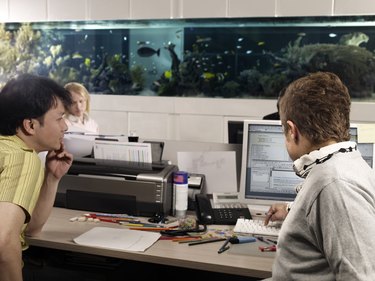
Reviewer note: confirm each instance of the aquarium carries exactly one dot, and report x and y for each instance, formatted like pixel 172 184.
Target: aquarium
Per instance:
pixel 225 58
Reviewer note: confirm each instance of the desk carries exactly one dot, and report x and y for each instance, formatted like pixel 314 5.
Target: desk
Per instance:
pixel 58 233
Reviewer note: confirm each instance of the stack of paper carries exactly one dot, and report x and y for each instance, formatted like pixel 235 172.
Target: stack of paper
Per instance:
pixel 125 151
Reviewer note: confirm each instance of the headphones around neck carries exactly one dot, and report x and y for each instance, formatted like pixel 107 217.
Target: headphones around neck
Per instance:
pixel 304 171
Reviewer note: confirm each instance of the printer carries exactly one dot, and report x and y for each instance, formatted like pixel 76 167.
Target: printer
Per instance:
pixel 114 186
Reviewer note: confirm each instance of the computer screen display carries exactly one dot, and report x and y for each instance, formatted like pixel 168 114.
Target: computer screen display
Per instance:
pixel 267 173
pixel 368 151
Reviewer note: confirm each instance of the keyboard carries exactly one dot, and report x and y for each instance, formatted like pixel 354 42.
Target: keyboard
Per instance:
pixel 256 227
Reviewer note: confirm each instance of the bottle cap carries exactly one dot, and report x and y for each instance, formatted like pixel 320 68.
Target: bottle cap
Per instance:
pixel 180 177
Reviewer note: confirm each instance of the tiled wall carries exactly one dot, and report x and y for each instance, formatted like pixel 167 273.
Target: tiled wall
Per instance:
pixel 189 119
pixel 55 10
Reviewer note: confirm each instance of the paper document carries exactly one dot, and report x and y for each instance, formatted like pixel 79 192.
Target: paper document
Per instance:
pixel 118 239
pixel 81 144
pixel 125 151
pixel 366 133
pixel 219 167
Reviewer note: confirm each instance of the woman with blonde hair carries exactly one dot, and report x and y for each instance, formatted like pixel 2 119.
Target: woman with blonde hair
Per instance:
pixel 77 117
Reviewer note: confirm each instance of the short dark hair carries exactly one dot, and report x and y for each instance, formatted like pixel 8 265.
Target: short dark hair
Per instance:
pixel 319 104
pixel 28 96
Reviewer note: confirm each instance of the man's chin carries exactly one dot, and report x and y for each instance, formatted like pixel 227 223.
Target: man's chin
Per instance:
pixel 56 147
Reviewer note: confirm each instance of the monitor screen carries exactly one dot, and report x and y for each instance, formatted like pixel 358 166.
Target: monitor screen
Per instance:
pixel 267 174
pixel 367 150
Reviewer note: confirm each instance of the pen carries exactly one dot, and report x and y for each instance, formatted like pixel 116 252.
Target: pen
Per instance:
pixel 224 247
pixel 262 239
pixel 272 241
pixel 107 220
pixel 204 241
pixel 139 224
pixel 187 239
pixel 118 219
pixel 110 215
pixel 242 239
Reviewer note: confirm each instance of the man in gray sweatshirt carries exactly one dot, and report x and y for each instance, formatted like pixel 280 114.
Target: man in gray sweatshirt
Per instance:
pixel 329 234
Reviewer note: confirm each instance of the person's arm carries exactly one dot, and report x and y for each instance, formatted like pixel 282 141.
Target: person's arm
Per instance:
pixel 57 164
pixel 346 230
pixel 12 220
pixel 277 212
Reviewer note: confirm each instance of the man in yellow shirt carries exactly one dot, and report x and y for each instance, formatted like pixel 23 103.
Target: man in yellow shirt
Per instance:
pixel 31 121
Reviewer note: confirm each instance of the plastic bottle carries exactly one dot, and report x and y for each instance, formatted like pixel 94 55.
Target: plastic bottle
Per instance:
pixel 180 187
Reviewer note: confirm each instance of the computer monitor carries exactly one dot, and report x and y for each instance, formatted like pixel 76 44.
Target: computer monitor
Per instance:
pixel 368 152
pixel 267 174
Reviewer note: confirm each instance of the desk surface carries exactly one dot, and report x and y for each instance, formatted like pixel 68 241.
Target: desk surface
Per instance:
pixel 58 233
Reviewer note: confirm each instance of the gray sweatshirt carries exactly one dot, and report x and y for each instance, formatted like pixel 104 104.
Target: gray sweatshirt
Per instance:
pixel 329 234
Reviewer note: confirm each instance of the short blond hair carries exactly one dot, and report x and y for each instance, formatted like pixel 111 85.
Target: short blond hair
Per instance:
pixel 80 89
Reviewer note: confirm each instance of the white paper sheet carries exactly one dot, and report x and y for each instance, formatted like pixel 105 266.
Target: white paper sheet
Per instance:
pixel 125 151
pixel 366 133
pixel 219 167
pixel 118 239
pixel 81 144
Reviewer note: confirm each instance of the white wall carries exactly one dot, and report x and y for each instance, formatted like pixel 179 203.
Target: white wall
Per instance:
pixel 189 119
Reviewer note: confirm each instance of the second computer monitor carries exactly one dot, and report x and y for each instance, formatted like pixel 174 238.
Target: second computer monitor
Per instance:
pixel 267 174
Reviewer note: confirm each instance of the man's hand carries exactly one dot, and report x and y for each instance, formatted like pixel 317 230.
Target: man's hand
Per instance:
pixel 277 212
pixel 58 162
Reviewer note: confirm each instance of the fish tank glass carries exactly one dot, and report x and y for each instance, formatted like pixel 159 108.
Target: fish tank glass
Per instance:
pixel 218 58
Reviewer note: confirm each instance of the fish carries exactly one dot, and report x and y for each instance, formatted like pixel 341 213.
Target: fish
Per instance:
pixel 221 76
pixel 77 56
pixel 147 52
pixel 55 50
pixel 203 39
pixel 168 74
pixel 143 42
pixel 208 75
pixel 261 43
pixel 87 62
pixel 178 32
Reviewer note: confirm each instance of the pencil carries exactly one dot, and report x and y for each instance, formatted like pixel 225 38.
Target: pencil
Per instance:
pixel 148 228
pixel 187 240
pixel 209 240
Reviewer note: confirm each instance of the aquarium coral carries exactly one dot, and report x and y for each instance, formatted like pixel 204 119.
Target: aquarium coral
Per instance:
pixel 355 65
pixel 19 51
pixel 26 50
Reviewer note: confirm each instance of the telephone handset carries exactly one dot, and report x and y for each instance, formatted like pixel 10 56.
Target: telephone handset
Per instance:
pixel 206 214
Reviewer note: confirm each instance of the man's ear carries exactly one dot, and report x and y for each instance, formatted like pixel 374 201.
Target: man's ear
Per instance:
pixel 293 130
pixel 29 126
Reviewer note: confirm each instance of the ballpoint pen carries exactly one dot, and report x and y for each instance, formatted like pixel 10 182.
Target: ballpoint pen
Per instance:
pixel 225 246
pixel 260 238
pixel 272 241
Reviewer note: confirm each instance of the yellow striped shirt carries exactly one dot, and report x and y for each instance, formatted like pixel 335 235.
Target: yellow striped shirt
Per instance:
pixel 21 176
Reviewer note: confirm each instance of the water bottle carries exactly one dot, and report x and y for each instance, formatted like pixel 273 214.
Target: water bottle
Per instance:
pixel 180 187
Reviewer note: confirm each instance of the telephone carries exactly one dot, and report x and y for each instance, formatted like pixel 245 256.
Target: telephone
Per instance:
pixel 197 185
pixel 206 214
